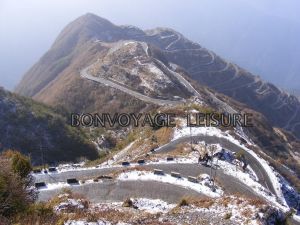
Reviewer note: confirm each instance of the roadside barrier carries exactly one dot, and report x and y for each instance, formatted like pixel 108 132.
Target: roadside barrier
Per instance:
pixel 40 185
pixel 141 161
pixel 175 174
pixel 193 179
pixel 125 163
pixel 37 171
pixel 72 181
pixel 52 169
pixel 158 172
pixel 105 177
pixel 170 158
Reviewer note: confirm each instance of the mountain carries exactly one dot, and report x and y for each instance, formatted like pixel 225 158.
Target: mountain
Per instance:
pixel 124 69
pixel 54 79
pixel 40 131
pixel 260 36
pixel 96 66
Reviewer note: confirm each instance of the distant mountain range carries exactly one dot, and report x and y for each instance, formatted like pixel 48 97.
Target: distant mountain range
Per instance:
pixel 55 78
pixel 260 36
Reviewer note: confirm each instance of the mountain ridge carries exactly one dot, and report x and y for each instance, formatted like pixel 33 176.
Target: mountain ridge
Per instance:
pixel 199 63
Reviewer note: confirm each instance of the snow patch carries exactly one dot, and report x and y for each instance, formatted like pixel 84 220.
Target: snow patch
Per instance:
pixel 153 206
pixel 212 131
pixel 69 204
pixel 183 182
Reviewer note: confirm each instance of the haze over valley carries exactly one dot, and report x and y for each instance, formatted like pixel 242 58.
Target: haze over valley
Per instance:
pixel 131 112
pixel 260 36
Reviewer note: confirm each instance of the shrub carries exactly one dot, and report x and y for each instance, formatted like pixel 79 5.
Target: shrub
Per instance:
pixel 183 202
pixel 128 203
pixel 20 164
pixel 16 193
pixel 227 216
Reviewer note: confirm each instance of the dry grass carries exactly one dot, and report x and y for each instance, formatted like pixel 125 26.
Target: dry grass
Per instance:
pixel 256 202
pixel 247 213
pixel 112 215
pixel 163 135
pixel 182 149
pixel 225 201
pixel 203 202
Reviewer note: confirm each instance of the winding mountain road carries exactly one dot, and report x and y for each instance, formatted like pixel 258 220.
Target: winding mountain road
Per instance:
pixel 253 162
pixel 230 184
pixel 257 167
pixel 111 191
pixel 84 74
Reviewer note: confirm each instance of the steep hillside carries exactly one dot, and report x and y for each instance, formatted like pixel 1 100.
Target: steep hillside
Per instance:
pixel 54 79
pixel 40 131
pixel 136 65
pixel 156 68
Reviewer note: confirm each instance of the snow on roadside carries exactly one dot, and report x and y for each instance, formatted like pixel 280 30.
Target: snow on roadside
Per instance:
pixel 69 204
pixel 153 206
pixel 212 131
pixel 148 205
pixel 70 168
pixel 61 185
pixel 246 178
pixel 273 175
pixel 187 131
pixel 186 160
pixel 53 186
pixel 84 222
pixel 233 210
pixel 228 157
pixel 183 182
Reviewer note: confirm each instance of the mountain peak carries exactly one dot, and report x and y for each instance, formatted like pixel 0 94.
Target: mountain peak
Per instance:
pixel 83 29
pixel 92 18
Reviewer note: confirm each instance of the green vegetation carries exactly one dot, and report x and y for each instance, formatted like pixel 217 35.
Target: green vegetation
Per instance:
pixel 15 181
pixel 17 198
pixel 20 164
pixel 123 143
pixel 119 145
pixel 41 131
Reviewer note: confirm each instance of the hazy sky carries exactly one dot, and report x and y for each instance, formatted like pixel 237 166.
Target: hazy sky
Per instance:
pixel 29 27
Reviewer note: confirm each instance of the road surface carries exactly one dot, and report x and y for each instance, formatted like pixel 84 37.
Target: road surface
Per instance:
pixel 253 162
pixel 84 74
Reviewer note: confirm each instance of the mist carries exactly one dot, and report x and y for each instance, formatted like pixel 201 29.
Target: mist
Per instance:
pixel 260 35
